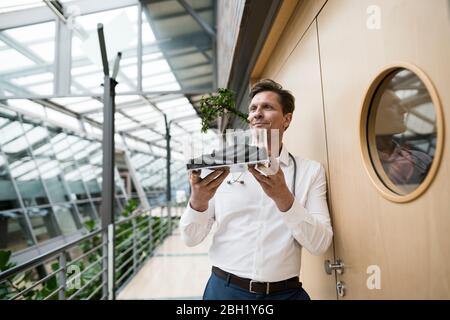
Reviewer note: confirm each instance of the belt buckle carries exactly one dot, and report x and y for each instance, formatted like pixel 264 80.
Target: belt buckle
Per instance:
pixel 253 281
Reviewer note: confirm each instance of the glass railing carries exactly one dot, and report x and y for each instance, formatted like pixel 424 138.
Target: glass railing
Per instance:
pixel 81 269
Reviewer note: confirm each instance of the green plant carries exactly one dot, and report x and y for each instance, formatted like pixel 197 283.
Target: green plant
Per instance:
pixel 6 288
pixel 130 207
pixel 215 106
pixel 91 225
pixel 48 289
pixel 22 280
pixel 4 260
pixel 124 233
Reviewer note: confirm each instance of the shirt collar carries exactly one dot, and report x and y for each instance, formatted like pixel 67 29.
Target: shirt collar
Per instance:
pixel 284 155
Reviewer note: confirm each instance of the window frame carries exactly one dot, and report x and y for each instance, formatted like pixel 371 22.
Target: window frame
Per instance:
pixel 367 140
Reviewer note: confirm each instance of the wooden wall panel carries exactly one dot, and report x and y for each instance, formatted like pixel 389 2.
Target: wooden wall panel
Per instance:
pixel 409 242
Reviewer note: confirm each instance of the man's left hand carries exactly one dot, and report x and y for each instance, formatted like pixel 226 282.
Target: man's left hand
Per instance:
pixel 275 187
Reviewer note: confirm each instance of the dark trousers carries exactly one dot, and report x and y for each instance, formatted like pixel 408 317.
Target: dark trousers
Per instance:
pixel 219 289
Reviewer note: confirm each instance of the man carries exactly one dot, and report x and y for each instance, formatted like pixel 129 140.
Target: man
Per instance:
pixel 261 226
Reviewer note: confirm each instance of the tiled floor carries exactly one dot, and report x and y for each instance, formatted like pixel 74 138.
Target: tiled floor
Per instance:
pixel 175 272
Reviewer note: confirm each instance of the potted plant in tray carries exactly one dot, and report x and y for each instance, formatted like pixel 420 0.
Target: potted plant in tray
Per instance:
pixel 240 151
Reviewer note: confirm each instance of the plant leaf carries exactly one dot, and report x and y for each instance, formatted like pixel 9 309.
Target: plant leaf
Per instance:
pixel 4 260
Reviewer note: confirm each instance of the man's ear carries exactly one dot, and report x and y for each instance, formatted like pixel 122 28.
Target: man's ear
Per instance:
pixel 287 120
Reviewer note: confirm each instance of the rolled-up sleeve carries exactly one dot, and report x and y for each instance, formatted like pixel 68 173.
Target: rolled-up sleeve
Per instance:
pixel 310 224
pixel 195 225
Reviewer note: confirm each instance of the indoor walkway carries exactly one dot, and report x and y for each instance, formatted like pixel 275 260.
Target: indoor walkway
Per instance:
pixel 175 272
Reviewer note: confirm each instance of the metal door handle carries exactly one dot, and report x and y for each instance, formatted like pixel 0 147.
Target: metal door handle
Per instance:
pixel 338 266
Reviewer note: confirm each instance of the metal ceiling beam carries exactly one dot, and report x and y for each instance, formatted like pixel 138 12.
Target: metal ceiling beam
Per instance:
pixel 202 64
pixel 5 85
pixel 63 59
pixel 205 74
pixel 162 112
pixel 210 60
pixel 181 14
pixel 143 125
pixel 205 26
pixel 22 49
pixel 196 90
pixel 134 129
pixel 32 42
pixel 25 17
pixel 155 107
pixel 92 122
pixel 57 9
pixel 122 106
pixel 48 67
pixel 89 6
pixel 26 94
pixel 150 21
pixel 197 39
pixel 31 16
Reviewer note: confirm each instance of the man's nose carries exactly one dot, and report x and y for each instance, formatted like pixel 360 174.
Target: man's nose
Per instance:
pixel 257 114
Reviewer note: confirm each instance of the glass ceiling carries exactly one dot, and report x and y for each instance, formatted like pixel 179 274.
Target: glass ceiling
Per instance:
pixel 167 65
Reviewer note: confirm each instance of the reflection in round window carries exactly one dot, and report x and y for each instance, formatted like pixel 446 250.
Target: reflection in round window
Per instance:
pixel 403 134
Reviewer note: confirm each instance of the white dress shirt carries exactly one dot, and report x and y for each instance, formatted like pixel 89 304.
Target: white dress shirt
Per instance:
pixel 253 238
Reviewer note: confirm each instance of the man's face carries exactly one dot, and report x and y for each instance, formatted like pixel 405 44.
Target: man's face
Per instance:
pixel 265 111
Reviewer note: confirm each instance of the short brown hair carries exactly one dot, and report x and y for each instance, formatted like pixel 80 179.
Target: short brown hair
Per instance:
pixel 286 98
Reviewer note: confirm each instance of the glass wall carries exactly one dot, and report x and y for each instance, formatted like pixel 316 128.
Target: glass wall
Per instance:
pixel 14 231
pixel 120 27
pixel 29 52
pixel 151 172
pixel 50 181
pixel 50 159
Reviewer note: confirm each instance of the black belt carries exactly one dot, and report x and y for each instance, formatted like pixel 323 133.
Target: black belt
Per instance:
pixel 256 286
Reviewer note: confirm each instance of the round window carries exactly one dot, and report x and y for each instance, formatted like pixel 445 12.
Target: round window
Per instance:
pixel 402 130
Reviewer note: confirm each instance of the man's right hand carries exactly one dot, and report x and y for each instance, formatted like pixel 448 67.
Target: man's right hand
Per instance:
pixel 204 189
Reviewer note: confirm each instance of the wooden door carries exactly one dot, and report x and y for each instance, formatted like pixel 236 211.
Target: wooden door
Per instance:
pixel 299 72
pixel 408 243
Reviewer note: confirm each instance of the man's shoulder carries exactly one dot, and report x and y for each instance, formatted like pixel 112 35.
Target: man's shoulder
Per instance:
pixel 308 164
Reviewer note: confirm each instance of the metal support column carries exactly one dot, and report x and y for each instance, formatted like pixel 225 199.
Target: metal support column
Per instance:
pixel 62 276
pixel 107 207
pixel 63 59
pixel 169 187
